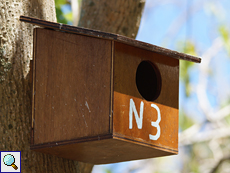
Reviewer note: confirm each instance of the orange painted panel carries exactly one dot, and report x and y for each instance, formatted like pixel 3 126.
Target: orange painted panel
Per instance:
pixel 154 124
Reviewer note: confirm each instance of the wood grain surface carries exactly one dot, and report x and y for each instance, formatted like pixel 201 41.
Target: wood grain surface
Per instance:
pixel 72 86
pixel 82 92
pixel 126 61
pixel 103 151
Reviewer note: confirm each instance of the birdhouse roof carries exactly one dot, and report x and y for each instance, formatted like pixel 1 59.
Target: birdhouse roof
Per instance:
pixel 110 36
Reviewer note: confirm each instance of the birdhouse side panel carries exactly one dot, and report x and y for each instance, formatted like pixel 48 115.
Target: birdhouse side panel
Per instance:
pixel 71 86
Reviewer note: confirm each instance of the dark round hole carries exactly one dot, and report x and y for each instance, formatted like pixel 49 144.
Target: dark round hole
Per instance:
pixel 148 80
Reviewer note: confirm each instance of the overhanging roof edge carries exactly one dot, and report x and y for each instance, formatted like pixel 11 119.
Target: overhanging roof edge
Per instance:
pixel 110 36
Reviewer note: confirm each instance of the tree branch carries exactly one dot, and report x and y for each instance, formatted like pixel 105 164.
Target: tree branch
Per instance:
pixel 219 164
pixel 205 136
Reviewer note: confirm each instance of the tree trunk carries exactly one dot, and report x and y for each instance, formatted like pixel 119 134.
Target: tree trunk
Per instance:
pixel 116 16
pixel 15 104
pixel 119 16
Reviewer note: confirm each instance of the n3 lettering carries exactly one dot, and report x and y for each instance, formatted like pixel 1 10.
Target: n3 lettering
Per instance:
pixel 139 118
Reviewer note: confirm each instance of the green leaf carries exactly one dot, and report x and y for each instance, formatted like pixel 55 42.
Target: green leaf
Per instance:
pixel 69 16
pixel 108 171
pixel 225 36
pixel 60 16
pixel 227 119
pixel 224 33
pixel 185 121
pixel 184 75
pixel 189 48
pixel 59 3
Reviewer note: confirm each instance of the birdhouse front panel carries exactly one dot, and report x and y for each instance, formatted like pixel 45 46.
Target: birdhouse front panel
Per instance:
pixel 146 97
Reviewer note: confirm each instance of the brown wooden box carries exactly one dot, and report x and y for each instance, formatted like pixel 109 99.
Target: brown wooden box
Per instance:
pixel 91 96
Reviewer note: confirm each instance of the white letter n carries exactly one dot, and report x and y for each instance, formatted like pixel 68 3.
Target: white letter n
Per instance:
pixel 139 120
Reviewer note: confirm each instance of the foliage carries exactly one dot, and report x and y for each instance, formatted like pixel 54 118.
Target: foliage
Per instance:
pixel 63 17
pixel 224 33
pixel 189 48
pixel 108 171
pixel 184 121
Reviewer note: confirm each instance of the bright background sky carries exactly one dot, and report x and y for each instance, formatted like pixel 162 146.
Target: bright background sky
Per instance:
pixel 167 23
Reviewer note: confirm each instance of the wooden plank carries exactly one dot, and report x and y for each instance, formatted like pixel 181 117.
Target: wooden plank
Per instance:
pixel 32 101
pixel 72 83
pixel 125 90
pixel 33 77
pixel 103 151
pixel 112 85
pixel 109 36
pixel 168 123
pixel 125 73
pixel 73 141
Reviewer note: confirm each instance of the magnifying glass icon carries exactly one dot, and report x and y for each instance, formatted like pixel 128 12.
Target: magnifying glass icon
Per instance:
pixel 9 160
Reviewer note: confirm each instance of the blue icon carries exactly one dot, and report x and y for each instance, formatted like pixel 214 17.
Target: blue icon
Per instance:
pixel 9 160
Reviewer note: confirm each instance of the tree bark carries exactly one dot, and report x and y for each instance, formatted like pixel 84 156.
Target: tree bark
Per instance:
pixel 15 103
pixel 16 39
pixel 116 16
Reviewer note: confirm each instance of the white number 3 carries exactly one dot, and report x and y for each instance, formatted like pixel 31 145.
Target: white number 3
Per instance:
pixel 156 124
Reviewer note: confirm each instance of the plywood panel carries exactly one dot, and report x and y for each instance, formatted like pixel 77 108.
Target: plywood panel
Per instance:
pixel 126 61
pixel 168 122
pixel 72 86
pixel 104 151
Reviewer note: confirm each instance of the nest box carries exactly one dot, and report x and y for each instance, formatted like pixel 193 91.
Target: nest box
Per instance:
pixel 102 98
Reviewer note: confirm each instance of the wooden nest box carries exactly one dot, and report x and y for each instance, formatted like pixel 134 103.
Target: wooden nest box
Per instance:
pixel 102 98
